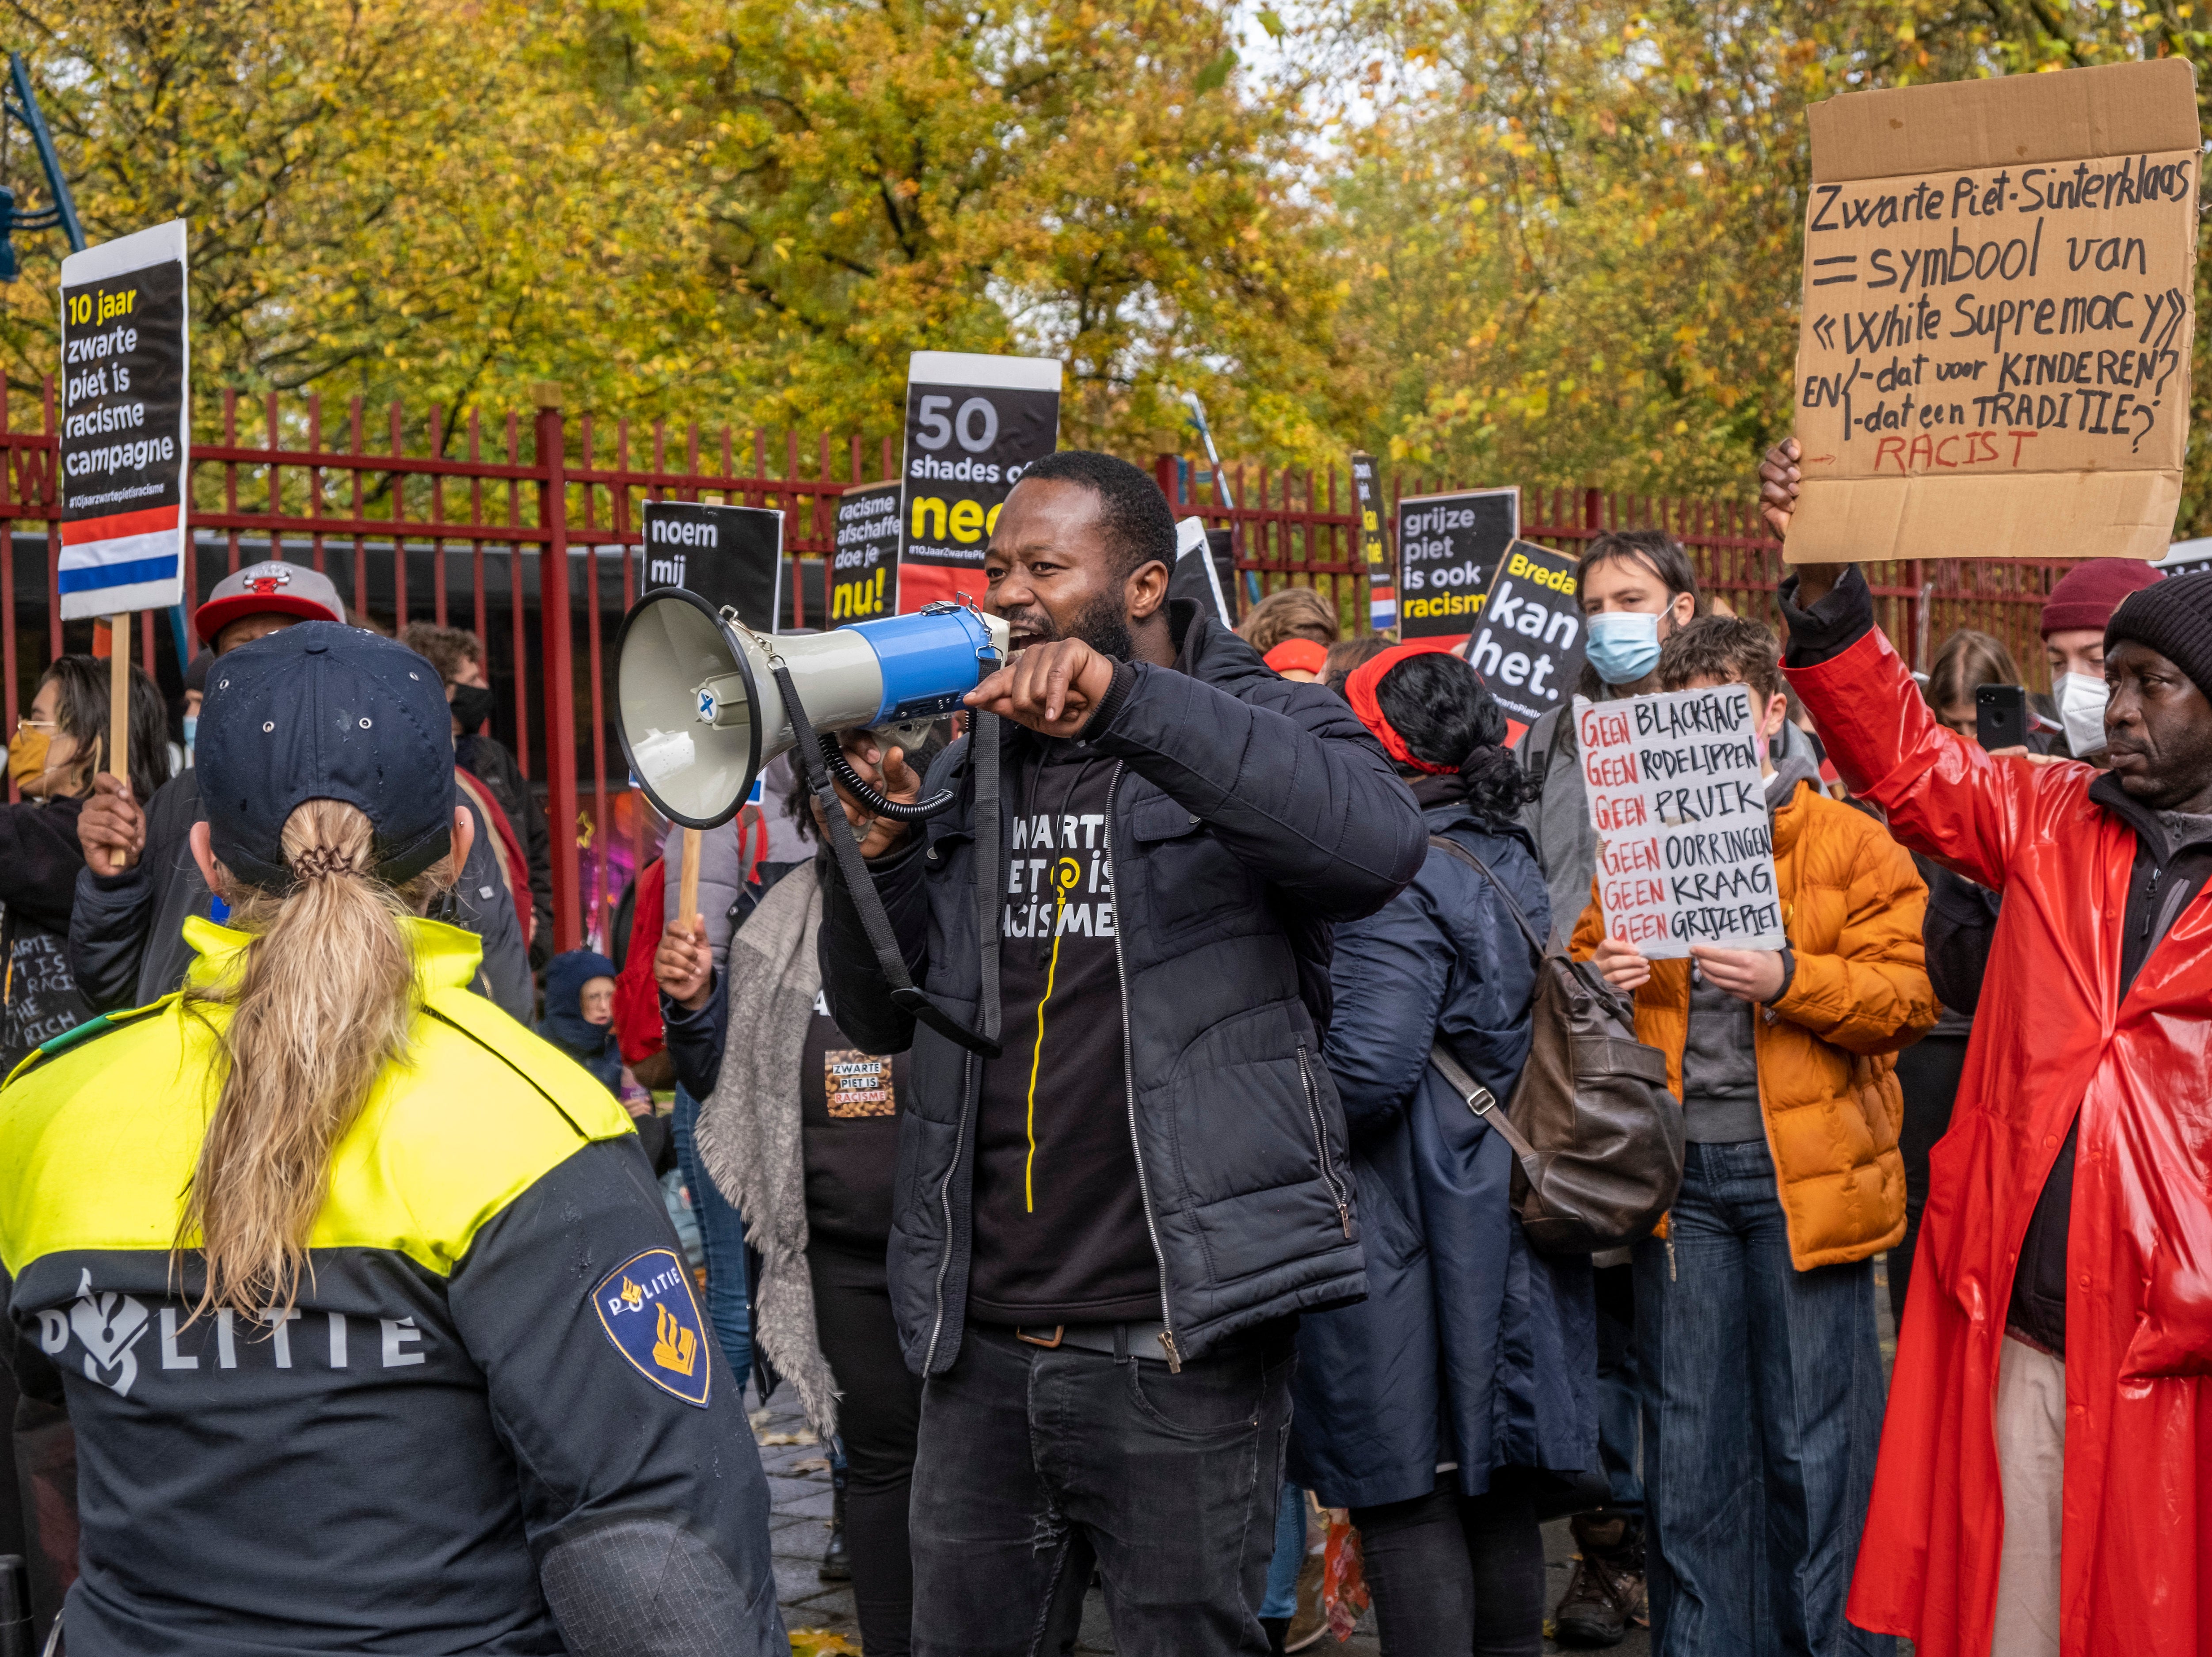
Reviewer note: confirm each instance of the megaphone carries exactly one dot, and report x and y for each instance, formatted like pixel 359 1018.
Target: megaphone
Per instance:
pixel 700 711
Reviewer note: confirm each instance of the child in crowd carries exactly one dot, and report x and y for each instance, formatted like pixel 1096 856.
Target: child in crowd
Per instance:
pixel 580 1013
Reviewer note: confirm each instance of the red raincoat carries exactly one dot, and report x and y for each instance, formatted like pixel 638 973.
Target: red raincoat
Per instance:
pixel 2052 1034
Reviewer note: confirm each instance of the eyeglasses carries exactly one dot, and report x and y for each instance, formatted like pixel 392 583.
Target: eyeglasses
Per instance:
pixel 24 722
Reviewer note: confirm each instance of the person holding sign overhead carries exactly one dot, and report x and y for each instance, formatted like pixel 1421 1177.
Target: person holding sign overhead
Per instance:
pixel 1755 1313
pixel 2051 1370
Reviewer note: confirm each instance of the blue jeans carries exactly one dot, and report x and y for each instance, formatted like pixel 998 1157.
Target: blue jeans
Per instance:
pixel 722 1240
pixel 1763 1405
pixel 1619 1395
pixel 1282 1598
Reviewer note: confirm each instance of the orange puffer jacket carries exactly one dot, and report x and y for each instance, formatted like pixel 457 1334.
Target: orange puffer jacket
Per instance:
pixel 1851 905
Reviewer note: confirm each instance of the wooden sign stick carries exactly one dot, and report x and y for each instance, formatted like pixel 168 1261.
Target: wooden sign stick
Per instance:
pixel 687 889
pixel 118 720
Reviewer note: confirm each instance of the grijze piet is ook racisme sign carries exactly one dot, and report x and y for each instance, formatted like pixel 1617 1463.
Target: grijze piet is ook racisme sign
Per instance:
pixel 731 556
pixel 974 424
pixel 1685 848
pixel 864 561
pixel 1448 545
pixel 1999 301
pixel 1528 641
pixel 125 433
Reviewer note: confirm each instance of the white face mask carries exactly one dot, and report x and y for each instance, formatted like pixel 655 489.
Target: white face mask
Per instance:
pixel 2082 700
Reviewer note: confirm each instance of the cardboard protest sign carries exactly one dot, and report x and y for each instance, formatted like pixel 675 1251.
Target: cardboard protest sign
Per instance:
pixel 1528 643
pixel 1448 546
pixel 126 427
pixel 974 424
pixel 1993 354
pixel 1374 549
pixel 1204 569
pixel 1686 853
pixel 731 556
pixel 863 567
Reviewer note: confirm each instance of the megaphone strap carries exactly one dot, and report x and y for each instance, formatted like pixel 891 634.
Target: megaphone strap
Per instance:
pixel 983 746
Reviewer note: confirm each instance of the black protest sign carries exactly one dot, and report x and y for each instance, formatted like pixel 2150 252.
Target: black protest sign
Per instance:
pixel 974 424
pixel 125 433
pixel 731 556
pixel 1448 547
pixel 1528 641
pixel 864 566
pixel 1374 548
pixel 1205 569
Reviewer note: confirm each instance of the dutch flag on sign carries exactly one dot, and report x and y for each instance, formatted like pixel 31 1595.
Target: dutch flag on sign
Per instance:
pixel 125 440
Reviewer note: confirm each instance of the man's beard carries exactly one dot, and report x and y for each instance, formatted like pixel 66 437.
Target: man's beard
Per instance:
pixel 1103 624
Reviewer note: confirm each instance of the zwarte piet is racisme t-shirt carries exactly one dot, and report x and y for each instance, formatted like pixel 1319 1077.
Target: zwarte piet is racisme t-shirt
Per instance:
pixel 1059 1232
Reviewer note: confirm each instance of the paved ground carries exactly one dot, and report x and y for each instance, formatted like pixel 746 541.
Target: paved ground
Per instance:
pixel 820 1617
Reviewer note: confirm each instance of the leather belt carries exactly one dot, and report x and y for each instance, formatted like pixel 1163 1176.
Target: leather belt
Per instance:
pixel 1117 1340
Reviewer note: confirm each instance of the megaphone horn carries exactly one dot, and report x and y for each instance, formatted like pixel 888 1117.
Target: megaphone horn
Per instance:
pixel 699 712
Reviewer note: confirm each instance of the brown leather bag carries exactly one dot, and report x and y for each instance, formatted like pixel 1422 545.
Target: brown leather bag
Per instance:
pixel 1597 1138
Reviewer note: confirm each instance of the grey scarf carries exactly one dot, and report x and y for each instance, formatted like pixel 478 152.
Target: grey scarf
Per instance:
pixel 749 1132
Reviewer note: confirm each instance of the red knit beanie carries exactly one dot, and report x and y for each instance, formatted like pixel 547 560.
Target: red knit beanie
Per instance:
pixel 2088 594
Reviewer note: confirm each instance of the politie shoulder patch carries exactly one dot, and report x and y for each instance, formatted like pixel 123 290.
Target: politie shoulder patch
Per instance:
pixel 647 1308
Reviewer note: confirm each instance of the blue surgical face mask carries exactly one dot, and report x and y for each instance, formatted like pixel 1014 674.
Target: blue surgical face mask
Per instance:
pixel 1623 646
pixel 192 731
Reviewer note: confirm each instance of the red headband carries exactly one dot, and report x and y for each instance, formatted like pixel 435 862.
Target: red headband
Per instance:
pixel 1359 691
pixel 1298 655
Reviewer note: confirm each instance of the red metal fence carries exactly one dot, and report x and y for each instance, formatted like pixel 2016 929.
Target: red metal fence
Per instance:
pixel 520 530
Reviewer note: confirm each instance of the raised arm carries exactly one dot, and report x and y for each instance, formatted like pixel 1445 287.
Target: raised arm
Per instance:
pixel 1292 784
pixel 1944 795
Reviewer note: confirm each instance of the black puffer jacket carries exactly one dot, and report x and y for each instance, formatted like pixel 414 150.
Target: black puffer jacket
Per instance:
pixel 1249 814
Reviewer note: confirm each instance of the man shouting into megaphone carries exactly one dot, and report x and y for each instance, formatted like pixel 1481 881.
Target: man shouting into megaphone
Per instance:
pixel 1101 1235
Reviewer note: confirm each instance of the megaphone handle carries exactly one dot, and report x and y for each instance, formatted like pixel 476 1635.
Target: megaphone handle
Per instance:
pixel 853 868
pixel 687 889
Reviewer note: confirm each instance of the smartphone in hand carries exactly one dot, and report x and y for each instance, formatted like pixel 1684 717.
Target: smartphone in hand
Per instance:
pixel 2000 716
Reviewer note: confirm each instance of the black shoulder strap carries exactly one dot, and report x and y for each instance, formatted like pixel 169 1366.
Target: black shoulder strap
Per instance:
pixel 906 995
pixel 1444 843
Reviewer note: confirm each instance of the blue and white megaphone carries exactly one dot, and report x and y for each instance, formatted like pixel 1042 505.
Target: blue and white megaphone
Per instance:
pixel 700 709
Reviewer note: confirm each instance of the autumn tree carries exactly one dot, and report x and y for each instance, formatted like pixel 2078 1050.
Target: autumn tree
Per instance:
pixel 1054 177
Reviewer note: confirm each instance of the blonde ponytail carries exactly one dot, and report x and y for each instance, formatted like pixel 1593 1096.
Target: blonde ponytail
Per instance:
pixel 320 1005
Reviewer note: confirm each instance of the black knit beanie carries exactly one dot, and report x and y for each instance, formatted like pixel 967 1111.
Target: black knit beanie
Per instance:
pixel 2174 618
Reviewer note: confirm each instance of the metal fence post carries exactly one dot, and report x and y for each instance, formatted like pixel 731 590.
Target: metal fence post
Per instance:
pixel 558 667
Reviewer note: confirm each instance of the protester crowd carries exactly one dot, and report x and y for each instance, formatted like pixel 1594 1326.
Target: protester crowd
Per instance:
pixel 1215 1231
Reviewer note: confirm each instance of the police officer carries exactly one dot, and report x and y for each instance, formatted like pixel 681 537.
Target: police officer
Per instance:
pixel 371 1321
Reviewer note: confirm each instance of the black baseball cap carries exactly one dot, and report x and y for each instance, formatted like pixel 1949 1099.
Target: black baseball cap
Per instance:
pixel 323 711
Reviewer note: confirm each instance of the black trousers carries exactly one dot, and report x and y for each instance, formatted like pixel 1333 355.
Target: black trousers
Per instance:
pixel 877 1417
pixel 1928 1074
pixel 1035 1463
pixel 1454 1574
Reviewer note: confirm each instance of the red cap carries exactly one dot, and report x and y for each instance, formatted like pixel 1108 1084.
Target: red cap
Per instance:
pixel 273 586
pixel 1299 656
pixel 2088 594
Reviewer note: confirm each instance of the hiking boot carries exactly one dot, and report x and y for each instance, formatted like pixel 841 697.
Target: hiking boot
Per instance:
pixel 1606 1592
